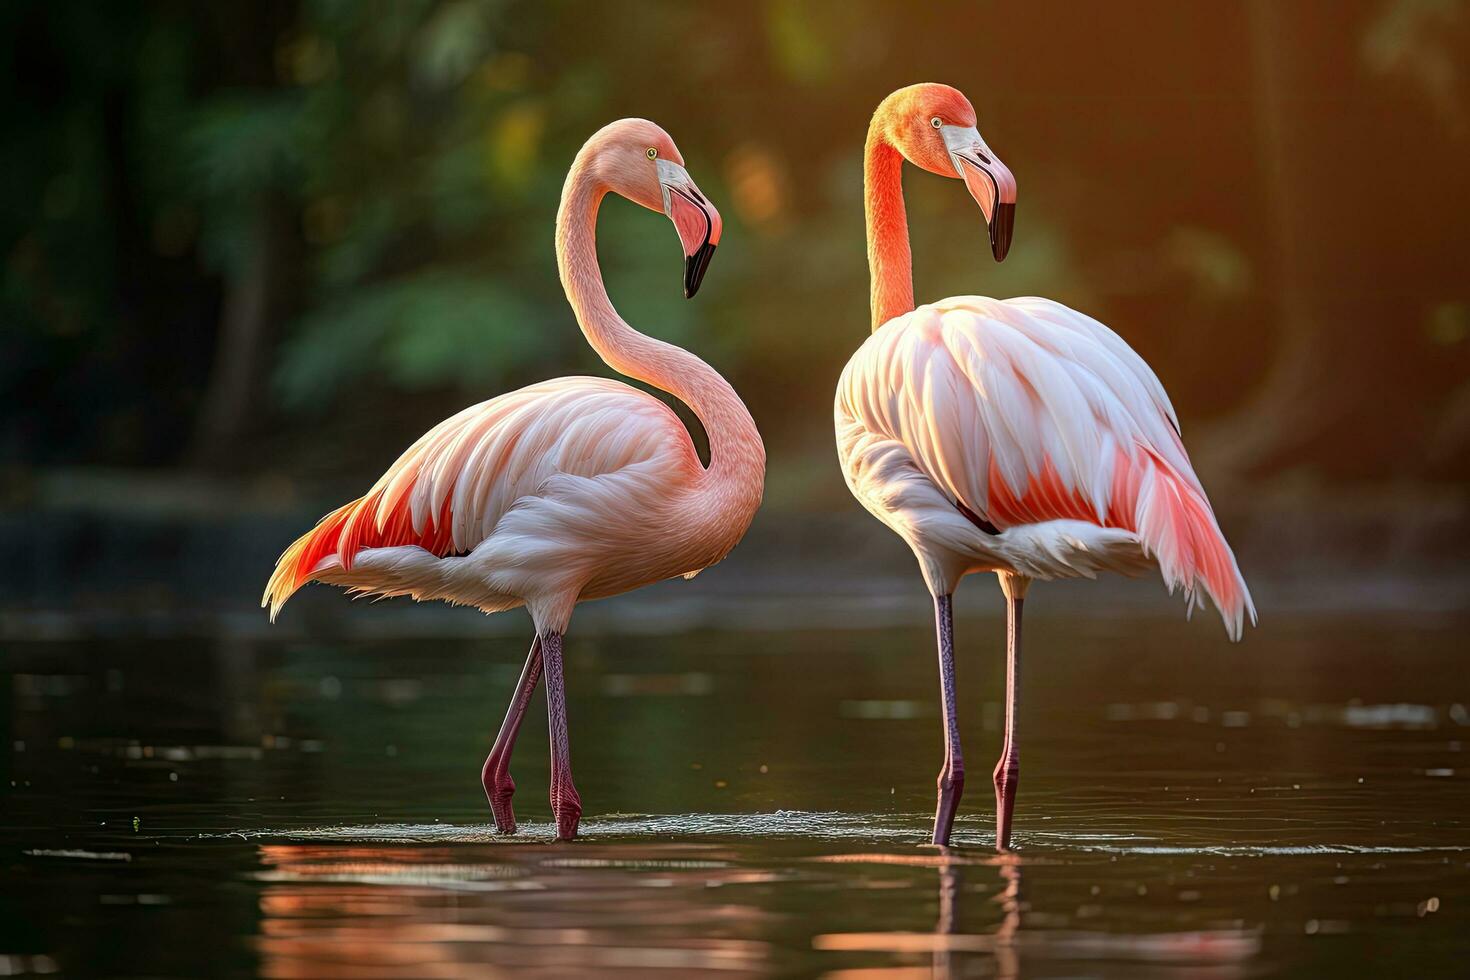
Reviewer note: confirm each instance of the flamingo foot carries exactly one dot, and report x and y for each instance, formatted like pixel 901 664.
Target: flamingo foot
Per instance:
pixel 499 788
pixel 1007 778
pixel 951 789
pixel 566 806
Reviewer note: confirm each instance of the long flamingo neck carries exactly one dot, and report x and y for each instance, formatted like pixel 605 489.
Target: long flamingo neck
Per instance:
pixel 890 263
pixel 736 453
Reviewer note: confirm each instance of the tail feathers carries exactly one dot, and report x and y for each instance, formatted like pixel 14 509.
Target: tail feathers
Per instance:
pixel 368 522
pixel 1178 528
pixel 294 567
pixel 1166 509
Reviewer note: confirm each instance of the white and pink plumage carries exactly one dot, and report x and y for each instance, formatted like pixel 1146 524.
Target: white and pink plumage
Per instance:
pixel 568 490
pixel 1014 436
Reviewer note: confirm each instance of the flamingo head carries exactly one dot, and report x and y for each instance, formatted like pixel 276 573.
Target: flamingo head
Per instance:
pixel 638 160
pixel 933 126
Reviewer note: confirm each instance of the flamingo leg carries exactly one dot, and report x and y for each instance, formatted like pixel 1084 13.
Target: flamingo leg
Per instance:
pixel 566 805
pixel 952 776
pixel 1008 769
pixel 495 776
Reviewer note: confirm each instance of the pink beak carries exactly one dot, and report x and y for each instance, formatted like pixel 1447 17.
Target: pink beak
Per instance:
pixel 695 218
pixel 989 182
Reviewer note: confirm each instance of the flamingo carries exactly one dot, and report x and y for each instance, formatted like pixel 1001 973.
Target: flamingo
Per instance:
pixel 567 490
pixel 1011 436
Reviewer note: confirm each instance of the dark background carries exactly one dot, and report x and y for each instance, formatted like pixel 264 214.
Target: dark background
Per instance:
pixel 250 251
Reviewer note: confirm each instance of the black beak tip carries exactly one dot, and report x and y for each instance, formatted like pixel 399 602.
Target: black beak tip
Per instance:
pixel 1001 227
pixel 695 267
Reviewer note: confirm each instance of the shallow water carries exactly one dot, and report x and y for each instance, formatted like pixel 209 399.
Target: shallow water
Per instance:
pixel 756 803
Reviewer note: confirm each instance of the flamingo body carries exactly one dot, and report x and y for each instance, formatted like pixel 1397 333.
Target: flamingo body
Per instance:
pixel 572 489
pixel 1015 436
pixel 1046 426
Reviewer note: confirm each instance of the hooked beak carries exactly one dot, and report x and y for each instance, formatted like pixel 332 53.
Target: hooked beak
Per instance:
pixel 988 180
pixel 694 217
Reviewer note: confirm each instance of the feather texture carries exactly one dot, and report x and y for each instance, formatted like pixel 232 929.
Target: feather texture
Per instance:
pixel 572 489
pixel 450 491
pixel 1032 416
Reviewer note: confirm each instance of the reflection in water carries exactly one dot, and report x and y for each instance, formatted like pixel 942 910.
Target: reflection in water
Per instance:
pixel 362 911
pixel 453 912
pixel 365 911
pixel 1007 955
pixel 301 810
pixel 1220 953
pixel 949 896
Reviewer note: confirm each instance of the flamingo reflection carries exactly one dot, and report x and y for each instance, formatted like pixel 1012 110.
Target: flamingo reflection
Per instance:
pixel 475 912
pixel 1218 953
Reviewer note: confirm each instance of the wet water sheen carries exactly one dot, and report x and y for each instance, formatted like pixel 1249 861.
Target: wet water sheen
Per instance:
pixel 756 803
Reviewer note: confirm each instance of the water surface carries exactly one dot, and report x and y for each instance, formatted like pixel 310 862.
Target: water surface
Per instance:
pixel 756 804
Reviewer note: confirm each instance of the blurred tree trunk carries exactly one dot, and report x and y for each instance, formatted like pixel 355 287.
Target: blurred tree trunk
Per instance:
pixel 1281 417
pixel 1245 442
pixel 251 308
pixel 244 40
pixel 1345 327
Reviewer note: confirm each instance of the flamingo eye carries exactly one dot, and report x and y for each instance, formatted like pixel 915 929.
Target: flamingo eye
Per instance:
pixel 652 153
pixel 936 122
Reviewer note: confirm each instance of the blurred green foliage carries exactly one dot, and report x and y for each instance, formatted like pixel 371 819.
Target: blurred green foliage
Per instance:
pixel 257 225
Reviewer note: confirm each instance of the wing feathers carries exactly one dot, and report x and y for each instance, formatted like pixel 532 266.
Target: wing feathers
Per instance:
pixel 1025 412
pixel 451 488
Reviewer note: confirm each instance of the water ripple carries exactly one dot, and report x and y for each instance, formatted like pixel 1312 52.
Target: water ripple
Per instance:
pixel 780 824
pixel 906 829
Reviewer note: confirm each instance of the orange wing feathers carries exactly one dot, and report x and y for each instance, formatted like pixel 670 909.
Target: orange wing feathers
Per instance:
pixel 348 530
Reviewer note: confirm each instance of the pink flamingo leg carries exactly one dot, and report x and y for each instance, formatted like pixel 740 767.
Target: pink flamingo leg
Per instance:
pixel 952 776
pixel 1008 769
pixel 499 787
pixel 566 805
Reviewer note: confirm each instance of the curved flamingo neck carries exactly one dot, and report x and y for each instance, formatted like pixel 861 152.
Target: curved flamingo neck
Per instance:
pixel 890 263
pixel 737 456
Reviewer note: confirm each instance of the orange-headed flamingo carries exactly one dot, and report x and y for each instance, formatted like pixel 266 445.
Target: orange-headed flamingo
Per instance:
pixel 1011 436
pixel 572 489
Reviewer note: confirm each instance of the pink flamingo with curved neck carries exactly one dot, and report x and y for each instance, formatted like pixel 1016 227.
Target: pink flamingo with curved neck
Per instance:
pixel 567 490
pixel 1018 437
